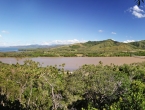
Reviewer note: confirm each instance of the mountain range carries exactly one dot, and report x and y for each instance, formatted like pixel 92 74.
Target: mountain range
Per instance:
pixel 93 46
pixel 111 45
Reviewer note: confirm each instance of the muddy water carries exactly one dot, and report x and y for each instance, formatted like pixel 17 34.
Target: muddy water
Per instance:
pixel 72 63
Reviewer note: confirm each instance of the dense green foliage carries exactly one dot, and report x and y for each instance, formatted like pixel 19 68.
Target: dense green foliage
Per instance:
pixel 91 87
pixel 89 49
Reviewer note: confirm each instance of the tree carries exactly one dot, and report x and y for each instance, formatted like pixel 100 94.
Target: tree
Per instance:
pixel 139 2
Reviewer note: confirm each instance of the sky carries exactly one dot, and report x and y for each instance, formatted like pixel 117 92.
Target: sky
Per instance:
pixel 46 22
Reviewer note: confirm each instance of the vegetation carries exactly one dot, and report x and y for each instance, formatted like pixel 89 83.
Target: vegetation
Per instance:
pixel 91 87
pixel 139 2
pixel 89 49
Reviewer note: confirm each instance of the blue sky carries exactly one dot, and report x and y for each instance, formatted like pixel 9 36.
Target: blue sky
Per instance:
pixel 45 22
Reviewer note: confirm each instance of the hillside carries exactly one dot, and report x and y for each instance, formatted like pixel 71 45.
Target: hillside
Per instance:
pixel 112 45
pixel 99 48
pixel 139 44
pixel 88 49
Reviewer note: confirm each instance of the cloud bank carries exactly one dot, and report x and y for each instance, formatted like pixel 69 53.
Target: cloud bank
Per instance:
pixel 128 41
pixel 62 42
pixel 54 42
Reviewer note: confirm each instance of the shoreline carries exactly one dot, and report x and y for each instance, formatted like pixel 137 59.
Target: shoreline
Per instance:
pixel 73 63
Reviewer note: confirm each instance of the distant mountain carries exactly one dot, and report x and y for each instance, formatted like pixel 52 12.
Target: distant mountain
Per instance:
pixel 90 46
pixel 110 45
pixel 139 44
pixel 34 46
pixel 17 48
pixel 8 49
pixel 90 49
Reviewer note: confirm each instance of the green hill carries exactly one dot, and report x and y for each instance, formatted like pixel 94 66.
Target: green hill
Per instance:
pixel 89 49
pixel 110 45
pixel 98 48
pixel 139 44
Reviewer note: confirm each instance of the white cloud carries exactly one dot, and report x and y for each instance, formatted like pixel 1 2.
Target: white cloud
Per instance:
pixel 127 41
pixel 54 42
pixel 4 31
pixel 62 42
pixel 113 32
pixel 100 30
pixel 136 8
pixel 0 36
pixel 137 12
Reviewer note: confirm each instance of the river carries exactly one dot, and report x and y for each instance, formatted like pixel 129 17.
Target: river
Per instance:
pixel 72 63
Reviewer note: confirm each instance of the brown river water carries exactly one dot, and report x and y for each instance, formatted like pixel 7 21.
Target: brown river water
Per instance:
pixel 73 63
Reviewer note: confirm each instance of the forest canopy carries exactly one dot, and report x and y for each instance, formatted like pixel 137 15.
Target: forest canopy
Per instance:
pixel 91 87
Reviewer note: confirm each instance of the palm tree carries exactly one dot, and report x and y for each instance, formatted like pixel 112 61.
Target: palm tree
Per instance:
pixel 139 2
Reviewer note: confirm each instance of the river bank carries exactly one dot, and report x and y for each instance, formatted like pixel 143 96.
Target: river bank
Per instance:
pixel 73 63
